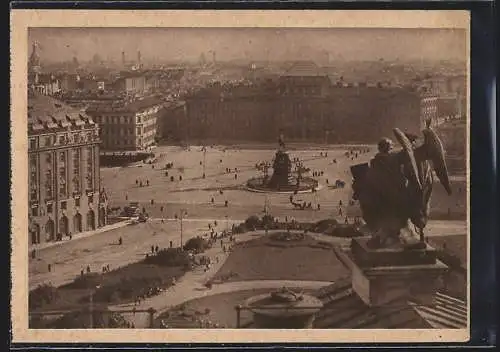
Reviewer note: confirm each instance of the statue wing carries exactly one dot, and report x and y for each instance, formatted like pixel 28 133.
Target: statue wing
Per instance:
pixel 435 152
pixel 409 156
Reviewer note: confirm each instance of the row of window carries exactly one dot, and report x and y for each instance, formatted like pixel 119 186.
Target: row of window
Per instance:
pixel 63 205
pixel 126 119
pixel 118 131
pixel 119 142
pixel 63 139
pixel 114 119
pixel 48 186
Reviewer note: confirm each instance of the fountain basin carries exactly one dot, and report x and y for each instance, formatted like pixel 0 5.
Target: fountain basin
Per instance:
pixel 257 184
pixel 268 313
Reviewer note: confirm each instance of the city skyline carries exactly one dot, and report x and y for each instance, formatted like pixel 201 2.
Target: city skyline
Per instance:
pixel 177 44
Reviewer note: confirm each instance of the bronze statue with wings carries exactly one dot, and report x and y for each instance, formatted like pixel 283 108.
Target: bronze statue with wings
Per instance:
pixel 394 190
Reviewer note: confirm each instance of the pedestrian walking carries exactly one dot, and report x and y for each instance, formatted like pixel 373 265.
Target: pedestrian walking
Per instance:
pixel 147 182
pixel 152 249
pixel 88 269
pixel 156 249
pixel 49 266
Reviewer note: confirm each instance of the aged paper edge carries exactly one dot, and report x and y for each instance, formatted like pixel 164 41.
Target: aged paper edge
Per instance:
pixel 21 20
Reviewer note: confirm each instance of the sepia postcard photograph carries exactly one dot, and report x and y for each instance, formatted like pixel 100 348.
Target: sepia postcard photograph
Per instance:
pixel 225 176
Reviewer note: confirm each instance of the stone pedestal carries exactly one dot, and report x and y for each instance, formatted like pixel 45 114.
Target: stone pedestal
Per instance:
pixel 382 276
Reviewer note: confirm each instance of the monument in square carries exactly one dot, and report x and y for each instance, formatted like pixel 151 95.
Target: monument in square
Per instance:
pixel 283 178
pixel 394 192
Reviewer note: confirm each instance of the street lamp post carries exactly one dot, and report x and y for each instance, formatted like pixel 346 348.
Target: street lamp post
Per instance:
pixel 183 213
pixel 204 159
pixel 227 224
pixel 91 305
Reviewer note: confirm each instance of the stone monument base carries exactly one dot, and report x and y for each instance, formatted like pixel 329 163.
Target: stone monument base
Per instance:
pixel 366 256
pixel 382 276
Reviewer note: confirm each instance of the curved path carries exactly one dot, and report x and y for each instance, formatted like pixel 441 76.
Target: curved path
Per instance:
pixel 192 284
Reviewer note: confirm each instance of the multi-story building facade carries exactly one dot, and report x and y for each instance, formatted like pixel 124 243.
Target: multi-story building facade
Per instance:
pixel 171 121
pixel 314 111
pixel 429 109
pixel 127 125
pixel 132 83
pixel 65 195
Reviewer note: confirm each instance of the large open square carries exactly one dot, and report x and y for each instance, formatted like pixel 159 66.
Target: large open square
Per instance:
pixel 195 193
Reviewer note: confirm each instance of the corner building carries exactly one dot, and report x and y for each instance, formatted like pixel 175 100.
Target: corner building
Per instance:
pixel 127 126
pixel 65 195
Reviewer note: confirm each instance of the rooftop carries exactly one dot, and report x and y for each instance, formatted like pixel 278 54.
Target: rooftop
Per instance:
pixel 126 106
pixel 45 112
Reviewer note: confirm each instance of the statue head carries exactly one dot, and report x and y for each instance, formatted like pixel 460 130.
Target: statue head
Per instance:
pixel 385 145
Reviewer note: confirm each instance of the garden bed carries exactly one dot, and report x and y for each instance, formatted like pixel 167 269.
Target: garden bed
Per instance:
pixel 267 259
pixel 119 286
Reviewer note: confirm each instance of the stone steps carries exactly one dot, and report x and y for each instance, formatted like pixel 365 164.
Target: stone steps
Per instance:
pixel 448 312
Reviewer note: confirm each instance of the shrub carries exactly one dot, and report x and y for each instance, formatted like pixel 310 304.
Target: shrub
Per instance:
pixel 117 321
pixel 81 320
pixel 267 220
pixel 169 257
pixel 324 225
pixel 85 281
pixel 253 222
pixel 43 294
pixel 196 244
pixel 240 229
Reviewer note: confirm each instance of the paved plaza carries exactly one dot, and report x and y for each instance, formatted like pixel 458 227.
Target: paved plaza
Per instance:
pixel 195 194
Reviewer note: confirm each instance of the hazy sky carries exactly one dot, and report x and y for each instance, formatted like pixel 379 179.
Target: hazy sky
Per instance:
pixel 58 44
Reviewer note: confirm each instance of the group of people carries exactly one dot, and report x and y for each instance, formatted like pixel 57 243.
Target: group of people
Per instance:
pixel 354 153
pixel 140 183
pixel 88 270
